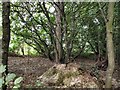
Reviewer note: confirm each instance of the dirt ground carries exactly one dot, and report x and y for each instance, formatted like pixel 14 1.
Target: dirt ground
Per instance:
pixel 30 68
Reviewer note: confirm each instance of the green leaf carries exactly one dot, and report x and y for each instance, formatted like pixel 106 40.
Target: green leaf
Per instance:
pixel 1 81
pixel 18 80
pixel 2 68
pixel 17 86
pixel 10 77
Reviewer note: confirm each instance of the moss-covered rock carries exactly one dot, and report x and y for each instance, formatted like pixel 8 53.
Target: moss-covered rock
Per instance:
pixel 70 76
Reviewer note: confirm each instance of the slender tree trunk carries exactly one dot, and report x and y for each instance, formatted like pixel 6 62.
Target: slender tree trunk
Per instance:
pixel 22 50
pixel 6 35
pixel 110 47
pixel 70 40
pixel 0 57
pixel 6 32
pixel 0 51
pixel 58 16
pixel 66 40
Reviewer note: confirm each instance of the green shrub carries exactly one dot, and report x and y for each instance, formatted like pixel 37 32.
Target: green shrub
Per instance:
pixel 10 77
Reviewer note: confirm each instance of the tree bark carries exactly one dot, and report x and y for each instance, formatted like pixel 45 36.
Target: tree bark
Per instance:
pixel 110 47
pixel 0 51
pixel 6 33
pixel 58 16
pixel 0 57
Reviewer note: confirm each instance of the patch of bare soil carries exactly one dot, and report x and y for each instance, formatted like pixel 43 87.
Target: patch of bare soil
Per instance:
pixel 30 68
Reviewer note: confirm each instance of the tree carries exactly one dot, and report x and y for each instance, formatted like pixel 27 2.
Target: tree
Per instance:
pixel 44 29
pixel 110 47
pixel 6 35
pixel 6 32
pixel 67 31
pixel 59 7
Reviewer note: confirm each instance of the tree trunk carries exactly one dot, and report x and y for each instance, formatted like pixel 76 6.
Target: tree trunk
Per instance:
pixel 58 16
pixel 0 57
pixel 6 32
pixel 0 51
pixel 110 47
pixel 6 35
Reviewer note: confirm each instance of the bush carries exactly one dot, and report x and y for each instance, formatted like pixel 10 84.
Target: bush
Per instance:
pixel 10 79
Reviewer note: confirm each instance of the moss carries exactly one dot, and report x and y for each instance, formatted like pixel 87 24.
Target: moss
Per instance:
pixel 50 72
pixel 60 79
pixel 62 76
pixel 71 74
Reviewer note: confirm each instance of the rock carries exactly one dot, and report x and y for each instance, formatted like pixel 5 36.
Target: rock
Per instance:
pixel 80 81
pixel 70 76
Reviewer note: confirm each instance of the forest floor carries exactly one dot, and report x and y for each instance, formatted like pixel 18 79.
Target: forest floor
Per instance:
pixel 30 68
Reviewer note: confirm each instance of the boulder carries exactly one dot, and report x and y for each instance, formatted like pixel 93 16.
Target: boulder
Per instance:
pixel 68 76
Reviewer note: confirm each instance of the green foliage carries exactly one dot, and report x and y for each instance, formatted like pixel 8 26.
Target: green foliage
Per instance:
pixel 85 28
pixel 18 80
pixel 10 77
pixel 2 68
pixel 87 55
pixel 1 81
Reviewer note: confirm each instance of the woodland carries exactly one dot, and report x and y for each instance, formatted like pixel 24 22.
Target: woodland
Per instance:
pixel 60 44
